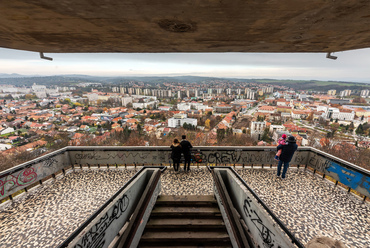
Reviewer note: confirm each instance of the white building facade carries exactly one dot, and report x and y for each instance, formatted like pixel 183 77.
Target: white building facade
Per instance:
pixel 179 120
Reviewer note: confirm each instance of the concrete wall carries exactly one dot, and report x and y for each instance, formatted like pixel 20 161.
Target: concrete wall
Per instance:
pixel 263 229
pixel 23 175
pixel 104 228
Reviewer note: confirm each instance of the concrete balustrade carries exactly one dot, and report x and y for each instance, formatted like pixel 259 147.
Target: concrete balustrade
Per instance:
pixel 26 174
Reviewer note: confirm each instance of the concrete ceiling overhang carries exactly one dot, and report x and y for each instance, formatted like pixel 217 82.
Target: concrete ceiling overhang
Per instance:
pixel 76 26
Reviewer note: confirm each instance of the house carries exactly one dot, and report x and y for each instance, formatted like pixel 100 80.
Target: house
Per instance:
pixel 267 109
pixel 72 129
pixel 84 127
pixel 7 130
pixel 4 147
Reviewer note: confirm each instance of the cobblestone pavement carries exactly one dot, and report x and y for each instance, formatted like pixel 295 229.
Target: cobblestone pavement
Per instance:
pixel 46 216
pixel 311 206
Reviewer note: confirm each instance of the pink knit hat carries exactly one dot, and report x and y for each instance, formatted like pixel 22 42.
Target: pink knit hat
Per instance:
pixel 283 136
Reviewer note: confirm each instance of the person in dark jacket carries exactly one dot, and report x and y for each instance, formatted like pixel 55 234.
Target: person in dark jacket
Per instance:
pixel 286 155
pixel 186 150
pixel 176 154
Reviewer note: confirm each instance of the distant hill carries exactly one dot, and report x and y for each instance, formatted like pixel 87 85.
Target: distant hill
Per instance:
pixel 60 80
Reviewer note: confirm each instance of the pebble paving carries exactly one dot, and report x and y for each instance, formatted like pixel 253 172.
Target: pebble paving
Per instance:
pixel 308 205
pixel 196 182
pixel 46 216
pixel 311 206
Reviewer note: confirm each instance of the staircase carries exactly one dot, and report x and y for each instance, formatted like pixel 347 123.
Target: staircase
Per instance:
pixel 185 221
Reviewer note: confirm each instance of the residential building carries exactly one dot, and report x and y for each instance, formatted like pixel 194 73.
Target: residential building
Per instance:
pixel 364 93
pixel 257 129
pixel 332 92
pixel 178 120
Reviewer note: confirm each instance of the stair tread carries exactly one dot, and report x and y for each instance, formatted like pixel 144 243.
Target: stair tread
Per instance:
pixel 186 198
pixel 205 235
pixel 184 246
pixel 186 222
pixel 171 209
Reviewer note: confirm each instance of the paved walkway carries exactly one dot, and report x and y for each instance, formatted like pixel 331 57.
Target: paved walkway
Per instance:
pixel 311 206
pixel 46 216
pixel 308 205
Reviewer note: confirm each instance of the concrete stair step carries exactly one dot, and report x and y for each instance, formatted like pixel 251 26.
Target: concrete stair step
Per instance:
pixel 178 224
pixel 186 200
pixel 184 246
pixel 185 212
pixel 197 239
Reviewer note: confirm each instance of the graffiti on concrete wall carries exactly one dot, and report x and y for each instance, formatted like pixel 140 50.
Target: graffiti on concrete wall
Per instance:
pixel 236 157
pixel 350 178
pixel 267 236
pixel 95 237
pixel 343 174
pixel 120 157
pixel 50 162
pixel 98 156
pixel 25 177
pixel 30 173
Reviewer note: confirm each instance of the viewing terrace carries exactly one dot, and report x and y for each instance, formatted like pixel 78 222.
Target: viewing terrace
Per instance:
pixel 65 196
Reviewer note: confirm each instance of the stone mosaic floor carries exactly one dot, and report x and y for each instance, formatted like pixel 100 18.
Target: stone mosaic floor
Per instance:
pixel 308 205
pixel 196 182
pixel 47 215
pixel 311 207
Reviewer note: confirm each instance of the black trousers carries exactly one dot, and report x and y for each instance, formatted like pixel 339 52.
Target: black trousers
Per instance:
pixel 187 160
pixel 176 164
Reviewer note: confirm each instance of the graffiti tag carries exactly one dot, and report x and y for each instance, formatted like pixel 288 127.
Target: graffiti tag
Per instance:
pixel 95 237
pixel 265 233
pixel 25 177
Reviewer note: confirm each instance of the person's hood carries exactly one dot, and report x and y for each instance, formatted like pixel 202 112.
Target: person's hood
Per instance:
pixel 175 144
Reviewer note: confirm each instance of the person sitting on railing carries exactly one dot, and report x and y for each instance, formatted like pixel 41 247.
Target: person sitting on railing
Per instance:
pixel 176 154
pixel 281 141
pixel 286 155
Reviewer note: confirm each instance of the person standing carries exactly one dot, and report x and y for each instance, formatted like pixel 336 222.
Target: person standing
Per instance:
pixel 186 150
pixel 287 152
pixel 176 154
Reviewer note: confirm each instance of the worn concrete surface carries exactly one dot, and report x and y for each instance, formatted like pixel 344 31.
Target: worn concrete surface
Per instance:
pixel 184 26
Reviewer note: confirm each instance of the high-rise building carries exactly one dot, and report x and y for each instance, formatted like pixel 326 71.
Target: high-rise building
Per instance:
pixel 345 93
pixel 332 92
pixel 364 93
pixel 187 93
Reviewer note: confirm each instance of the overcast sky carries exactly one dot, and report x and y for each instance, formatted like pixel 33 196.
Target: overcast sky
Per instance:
pixel 350 66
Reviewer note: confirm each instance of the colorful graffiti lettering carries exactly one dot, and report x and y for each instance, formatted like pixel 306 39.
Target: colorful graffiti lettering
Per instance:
pixel 349 178
pixel 25 177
